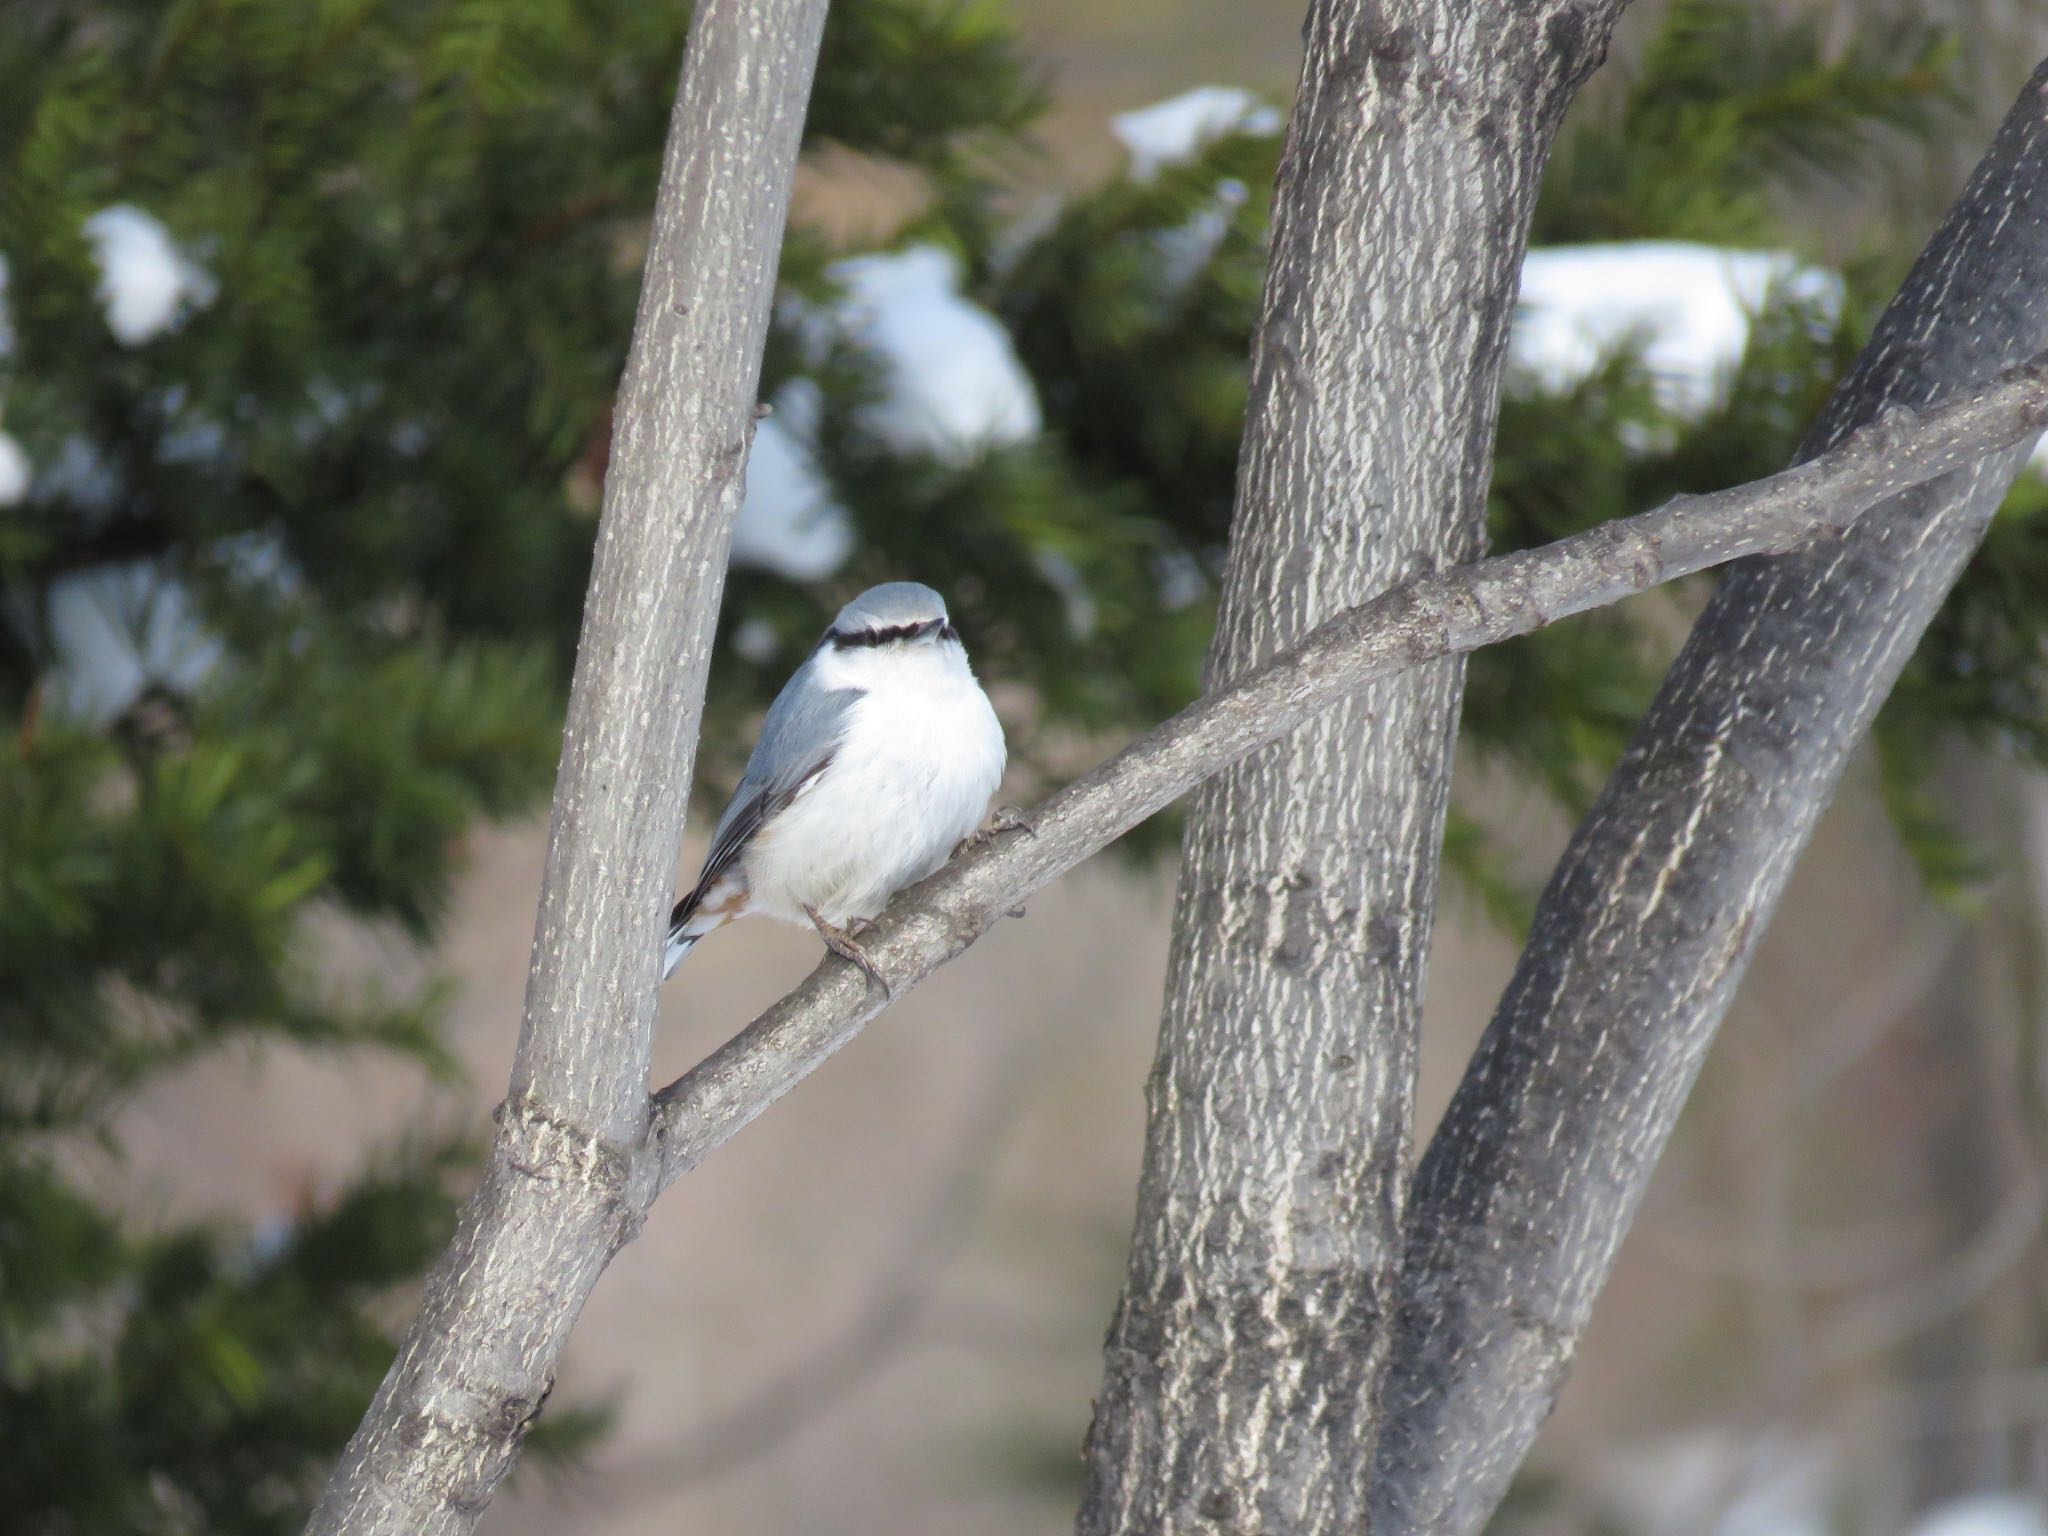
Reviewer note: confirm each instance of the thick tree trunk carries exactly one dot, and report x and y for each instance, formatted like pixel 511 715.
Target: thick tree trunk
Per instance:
pixel 1654 911
pixel 571 1170
pixel 1242 1366
pixel 581 1152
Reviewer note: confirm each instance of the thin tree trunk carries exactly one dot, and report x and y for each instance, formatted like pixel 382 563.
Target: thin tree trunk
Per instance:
pixel 571 1170
pixel 1242 1365
pixel 1652 915
pixel 581 1150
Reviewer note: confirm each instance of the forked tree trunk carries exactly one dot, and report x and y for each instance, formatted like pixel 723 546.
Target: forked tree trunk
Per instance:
pixel 1244 1359
pixel 1656 907
pixel 1242 1374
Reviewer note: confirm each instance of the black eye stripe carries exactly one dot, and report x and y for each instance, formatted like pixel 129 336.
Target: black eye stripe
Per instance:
pixel 863 637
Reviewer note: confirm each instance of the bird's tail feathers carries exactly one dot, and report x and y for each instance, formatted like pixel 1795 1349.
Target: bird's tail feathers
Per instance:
pixel 679 944
pixel 696 915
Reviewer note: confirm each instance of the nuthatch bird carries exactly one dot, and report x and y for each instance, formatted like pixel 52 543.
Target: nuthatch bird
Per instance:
pixel 876 760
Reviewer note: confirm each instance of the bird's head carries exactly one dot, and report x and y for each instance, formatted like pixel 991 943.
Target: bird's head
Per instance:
pixel 902 615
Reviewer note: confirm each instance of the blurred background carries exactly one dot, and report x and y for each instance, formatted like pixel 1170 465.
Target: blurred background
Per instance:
pixel 310 311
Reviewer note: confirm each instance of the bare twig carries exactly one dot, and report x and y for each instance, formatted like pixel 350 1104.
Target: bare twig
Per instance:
pixel 1452 612
pixel 1881 1320
pixel 888 1318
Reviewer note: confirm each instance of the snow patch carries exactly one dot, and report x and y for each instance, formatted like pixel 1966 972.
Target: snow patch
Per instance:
pixel 1186 251
pixel 951 381
pixel 789 522
pixel 1064 577
pixel 14 472
pixel 1175 131
pixel 116 629
pixel 757 641
pixel 80 475
pixel 147 284
pixel 951 386
pixel 1181 578
pixel 187 436
pixel 1688 307
pixel 1991 1514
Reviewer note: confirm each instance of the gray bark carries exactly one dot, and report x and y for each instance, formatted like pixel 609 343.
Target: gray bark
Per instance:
pixel 581 1152
pixel 568 1176
pixel 1422 620
pixel 1652 915
pixel 1241 1368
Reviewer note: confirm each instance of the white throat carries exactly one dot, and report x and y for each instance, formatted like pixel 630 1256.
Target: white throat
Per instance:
pixel 872 668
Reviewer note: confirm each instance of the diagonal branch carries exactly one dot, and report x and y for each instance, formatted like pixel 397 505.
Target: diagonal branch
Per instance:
pixel 1450 613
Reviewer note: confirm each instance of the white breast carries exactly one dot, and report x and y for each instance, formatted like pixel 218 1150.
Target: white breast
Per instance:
pixel 921 755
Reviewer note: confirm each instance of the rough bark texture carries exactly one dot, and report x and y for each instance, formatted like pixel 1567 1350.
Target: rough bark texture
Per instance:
pixel 1653 913
pixel 568 1177
pixel 1422 620
pixel 1241 1368
pixel 580 1153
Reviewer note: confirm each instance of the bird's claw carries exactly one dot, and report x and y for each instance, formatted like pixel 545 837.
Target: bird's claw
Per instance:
pixel 841 942
pixel 1012 818
pixel 1005 818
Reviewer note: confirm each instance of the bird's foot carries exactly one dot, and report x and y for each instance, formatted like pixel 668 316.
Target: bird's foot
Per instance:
pixel 1005 818
pixel 1012 818
pixel 841 942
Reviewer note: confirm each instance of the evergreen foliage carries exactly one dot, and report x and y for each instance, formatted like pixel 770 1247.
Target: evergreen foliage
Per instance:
pixel 1732 107
pixel 370 460
pixel 344 511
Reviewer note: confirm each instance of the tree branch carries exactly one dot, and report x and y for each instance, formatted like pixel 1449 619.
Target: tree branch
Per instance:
pixel 567 1180
pixel 1453 612
pixel 581 1152
pixel 1653 913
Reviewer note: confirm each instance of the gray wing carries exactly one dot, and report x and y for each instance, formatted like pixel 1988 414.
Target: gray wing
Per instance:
pixel 801 732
